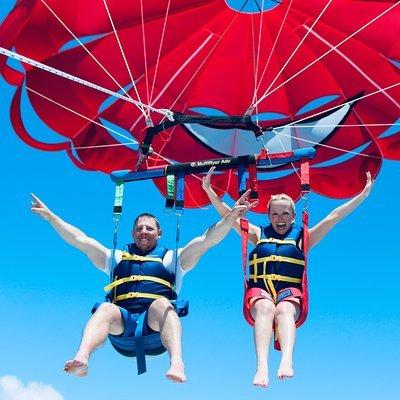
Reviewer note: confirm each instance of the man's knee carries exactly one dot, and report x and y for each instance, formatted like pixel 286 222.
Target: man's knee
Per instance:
pixel 108 311
pixel 159 310
pixel 161 304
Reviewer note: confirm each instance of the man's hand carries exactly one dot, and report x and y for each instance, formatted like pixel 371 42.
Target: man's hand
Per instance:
pixel 39 208
pixel 368 185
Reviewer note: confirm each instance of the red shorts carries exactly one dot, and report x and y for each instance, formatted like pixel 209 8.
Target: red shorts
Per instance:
pixel 288 294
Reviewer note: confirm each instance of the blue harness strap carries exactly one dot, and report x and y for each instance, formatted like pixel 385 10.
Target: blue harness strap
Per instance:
pixel 139 346
pixel 153 340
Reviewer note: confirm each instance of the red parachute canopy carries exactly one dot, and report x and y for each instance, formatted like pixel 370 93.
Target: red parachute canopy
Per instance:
pixel 321 74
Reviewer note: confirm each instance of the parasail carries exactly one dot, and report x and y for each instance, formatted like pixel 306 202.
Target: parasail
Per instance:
pixel 279 76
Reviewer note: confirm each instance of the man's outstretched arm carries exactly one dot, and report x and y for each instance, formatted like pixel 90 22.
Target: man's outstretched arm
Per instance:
pixel 96 252
pixel 192 252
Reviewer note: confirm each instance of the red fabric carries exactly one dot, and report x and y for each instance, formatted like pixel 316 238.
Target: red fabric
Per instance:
pixel 206 60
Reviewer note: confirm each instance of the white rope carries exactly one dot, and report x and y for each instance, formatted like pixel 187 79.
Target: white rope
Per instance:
pixel 256 58
pixel 271 52
pixel 293 53
pixel 124 57
pixel 266 94
pixel 344 125
pixel 342 104
pixel 146 72
pixel 44 67
pixel 354 65
pixel 177 72
pixel 132 142
pixel 325 145
pixel 205 59
pixel 159 51
pixel 88 51
pixel 284 149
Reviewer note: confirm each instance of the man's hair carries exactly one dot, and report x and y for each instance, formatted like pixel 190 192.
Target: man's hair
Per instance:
pixel 282 196
pixel 146 215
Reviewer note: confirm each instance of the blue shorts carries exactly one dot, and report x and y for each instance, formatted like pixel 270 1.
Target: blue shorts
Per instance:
pixel 125 342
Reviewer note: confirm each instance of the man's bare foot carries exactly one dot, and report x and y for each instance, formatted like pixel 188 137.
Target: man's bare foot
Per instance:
pixel 285 370
pixel 176 372
pixel 261 377
pixel 76 367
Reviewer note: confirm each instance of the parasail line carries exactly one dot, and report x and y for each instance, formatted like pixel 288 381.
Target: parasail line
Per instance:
pixel 257 58
pixel 266 94
pixel 354 65
pixel 284 149
pixel 145 55
pixel 200 66
pixel 92 56
pixel 132 141
pixel 270 54
pixel 344 125
pixel 254 54
pixel 294 52
pixel 341 104
pixel 101 146
pixel 159 51
pixel 174 77
pixel 144 110
pixel 327 146
pixel 81 81
pixel 204 61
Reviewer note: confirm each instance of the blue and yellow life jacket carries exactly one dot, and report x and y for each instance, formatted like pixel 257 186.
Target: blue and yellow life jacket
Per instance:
pixel 277 262
pixel 140 278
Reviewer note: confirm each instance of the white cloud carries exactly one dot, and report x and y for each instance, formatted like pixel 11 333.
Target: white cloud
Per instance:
pixel 11 388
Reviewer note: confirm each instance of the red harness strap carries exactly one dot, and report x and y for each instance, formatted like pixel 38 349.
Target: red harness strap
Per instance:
pixel 253 292
pixel 305 189
pixel 253 185
pixel 304 282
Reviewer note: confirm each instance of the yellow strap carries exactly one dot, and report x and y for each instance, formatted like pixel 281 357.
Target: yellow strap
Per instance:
pixel 277 241
pixel 277 258
pixel 256 266
pixel 137 278
pixel 276 277
pixel 135 257
pixel 135 295
pixel 271 288
pixel 269 284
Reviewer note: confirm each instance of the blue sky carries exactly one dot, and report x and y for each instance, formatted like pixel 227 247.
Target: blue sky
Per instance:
pixel 347 349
